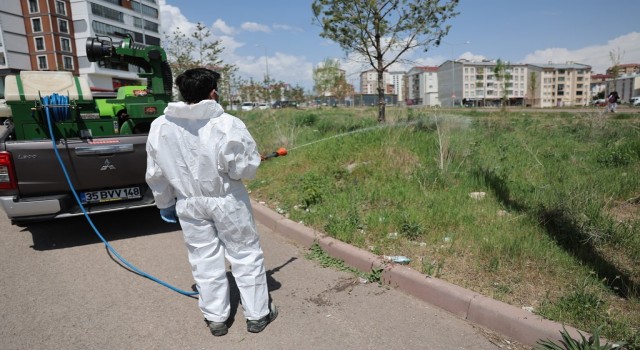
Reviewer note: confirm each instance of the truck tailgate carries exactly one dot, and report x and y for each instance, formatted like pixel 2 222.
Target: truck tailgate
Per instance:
pixel 105 163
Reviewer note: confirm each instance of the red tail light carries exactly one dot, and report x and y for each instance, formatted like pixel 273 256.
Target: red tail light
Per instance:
pixel 7 173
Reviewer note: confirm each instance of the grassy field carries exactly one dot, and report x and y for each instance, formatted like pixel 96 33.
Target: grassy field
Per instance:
pixel 537 209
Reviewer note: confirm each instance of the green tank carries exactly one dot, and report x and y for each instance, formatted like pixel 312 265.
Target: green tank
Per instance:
pixel 68 101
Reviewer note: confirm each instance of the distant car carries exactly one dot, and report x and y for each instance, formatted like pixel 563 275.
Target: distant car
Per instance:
pixel 285 104
pixel 263 105
pixel 247 106
pixel 599 102
pixel 635 101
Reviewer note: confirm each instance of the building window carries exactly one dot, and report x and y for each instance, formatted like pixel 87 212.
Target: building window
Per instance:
pixel 107 29
pixel 33 6
pixel 145 11
pixel 42 63
pixel 61 8
pixel 39 41
pixel 36 25
pixel 63 26
pixel 67 62
pixel 152 26
pixel 106 12
pixel 65 44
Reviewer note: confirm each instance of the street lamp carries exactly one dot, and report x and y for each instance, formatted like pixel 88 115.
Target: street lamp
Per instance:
pixel 266 64
pixel 453 75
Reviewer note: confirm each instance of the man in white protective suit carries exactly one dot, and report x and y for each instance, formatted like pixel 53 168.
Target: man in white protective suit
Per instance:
pixel 197 156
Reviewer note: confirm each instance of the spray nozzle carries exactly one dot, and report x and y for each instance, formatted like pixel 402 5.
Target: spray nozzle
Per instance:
pixel 280 152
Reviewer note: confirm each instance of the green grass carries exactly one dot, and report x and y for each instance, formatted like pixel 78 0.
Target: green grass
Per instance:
pixel 561 199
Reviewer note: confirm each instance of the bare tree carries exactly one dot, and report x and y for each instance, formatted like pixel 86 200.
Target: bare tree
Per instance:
pixel 616 57
pixel 381 31
pixel 198 50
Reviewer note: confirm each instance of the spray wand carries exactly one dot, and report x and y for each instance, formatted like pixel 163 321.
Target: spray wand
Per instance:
pixel 280 152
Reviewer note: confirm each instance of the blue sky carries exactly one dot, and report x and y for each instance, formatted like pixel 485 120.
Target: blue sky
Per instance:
pixel 519 31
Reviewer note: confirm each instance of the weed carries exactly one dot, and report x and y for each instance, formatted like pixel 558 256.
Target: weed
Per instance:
pixel 569 343
pixel 411 228
pixel 375 276
pixel 317 254
pixel 313 187
pixel 616 155
pixel 432 268
pixel 307 119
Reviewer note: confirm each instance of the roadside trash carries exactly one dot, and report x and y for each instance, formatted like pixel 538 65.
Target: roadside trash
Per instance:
pixel 477 195
pixel 392 235
pixel 528 308
pixel 399 259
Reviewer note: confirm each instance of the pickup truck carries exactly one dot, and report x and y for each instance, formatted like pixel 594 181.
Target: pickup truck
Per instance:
pixel 101 141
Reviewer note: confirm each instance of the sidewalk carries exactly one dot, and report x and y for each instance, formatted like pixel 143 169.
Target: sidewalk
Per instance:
pixel 510 321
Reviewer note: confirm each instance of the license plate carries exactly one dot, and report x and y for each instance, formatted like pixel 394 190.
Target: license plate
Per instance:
pixel 116 194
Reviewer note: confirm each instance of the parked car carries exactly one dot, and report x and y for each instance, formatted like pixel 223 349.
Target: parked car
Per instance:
pixel 248 106
pixel 285 104
pixel 635 101
pixel 263 105
pixel 599 102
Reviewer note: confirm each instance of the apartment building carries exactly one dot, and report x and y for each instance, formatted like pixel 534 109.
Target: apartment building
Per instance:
pixel 559 85
pixel 468 83
pixel 625 69
pixel 52 35
pixel 397 82
pixel 369 83
pixel 422 86
pixel 627 86
pixel 112 18
pixel 36 35
pixel 598 83
pixel 14 50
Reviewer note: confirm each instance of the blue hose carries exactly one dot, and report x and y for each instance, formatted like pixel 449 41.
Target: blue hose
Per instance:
pixel 58 100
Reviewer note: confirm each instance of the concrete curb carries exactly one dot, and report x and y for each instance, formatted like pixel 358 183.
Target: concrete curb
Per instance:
pixel 513 322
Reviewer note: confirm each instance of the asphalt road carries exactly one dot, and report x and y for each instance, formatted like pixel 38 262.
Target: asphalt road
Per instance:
pixel 60 289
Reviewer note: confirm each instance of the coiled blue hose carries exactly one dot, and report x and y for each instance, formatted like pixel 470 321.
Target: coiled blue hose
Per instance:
pixel 60 115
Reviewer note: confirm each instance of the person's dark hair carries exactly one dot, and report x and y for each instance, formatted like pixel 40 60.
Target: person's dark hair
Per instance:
pixel 196 84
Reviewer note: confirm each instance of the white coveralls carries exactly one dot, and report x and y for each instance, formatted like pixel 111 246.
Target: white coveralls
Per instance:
pixel 196 157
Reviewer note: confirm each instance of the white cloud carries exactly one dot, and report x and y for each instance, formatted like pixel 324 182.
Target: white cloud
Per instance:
pixel 597 56
pixel 472 57
pixel 220 26
pixel 255 27
pixel 288 28
pixel 172 19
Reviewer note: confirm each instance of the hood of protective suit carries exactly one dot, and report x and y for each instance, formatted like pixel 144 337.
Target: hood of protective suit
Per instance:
pixel 205 109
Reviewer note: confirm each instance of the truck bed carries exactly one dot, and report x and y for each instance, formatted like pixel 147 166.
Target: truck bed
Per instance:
pixel 107 173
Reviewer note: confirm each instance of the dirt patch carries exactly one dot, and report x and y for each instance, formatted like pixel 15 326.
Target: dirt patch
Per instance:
pixel 626 211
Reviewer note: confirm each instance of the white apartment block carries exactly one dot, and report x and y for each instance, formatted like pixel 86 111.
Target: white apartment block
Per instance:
pixel 140 18
pixel 422 86
pixel 561 85
pixel 469 83
pixel 396 79
pixel 475 84
pixel 14 51
pixel 369 82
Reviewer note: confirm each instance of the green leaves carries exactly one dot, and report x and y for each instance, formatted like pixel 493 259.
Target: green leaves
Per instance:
pixel 569 343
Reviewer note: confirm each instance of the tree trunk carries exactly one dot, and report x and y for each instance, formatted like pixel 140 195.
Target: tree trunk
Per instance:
pixel 381 103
